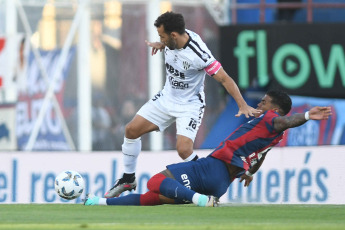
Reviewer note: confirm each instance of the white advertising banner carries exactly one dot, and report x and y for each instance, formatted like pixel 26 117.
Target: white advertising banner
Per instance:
pixel 291 175
pixel 296 175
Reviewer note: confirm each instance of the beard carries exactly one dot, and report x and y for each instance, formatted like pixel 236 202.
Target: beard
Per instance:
pixel 171 44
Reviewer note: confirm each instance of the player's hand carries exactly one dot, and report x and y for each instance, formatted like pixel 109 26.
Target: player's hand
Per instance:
pixel 155 46
pixel 246 179
pixel 320 113
pixel 248 111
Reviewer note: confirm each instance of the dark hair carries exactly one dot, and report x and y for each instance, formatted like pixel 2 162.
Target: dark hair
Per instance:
pixel 172 22
pixel 280 99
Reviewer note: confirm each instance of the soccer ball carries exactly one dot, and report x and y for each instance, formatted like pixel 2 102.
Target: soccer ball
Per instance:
pixel 69 184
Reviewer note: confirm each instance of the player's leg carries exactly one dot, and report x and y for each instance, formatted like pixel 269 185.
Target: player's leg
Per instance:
pixel 131 148
pixel 184 147
pixel 187 126
pixel 151 116
pixel 173 189
pixel 193 180
pixel 209 176
pixel 148 199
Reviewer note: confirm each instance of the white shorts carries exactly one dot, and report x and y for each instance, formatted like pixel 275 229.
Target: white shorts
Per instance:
pixel 163 113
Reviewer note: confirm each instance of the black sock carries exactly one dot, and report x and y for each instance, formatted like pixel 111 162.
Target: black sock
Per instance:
pixel 195 158
pixel 128 177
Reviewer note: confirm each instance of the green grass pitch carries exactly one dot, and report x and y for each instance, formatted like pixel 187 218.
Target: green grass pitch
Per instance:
pixel 77 216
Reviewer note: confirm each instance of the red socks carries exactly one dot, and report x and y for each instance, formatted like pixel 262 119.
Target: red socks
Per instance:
pixel 152 196
pixel 155 182
pixel 149 199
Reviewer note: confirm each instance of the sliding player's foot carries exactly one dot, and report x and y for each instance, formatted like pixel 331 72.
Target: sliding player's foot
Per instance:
pixel 91 199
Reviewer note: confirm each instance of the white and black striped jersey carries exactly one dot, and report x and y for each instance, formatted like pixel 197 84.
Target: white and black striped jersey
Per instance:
pixel 185 70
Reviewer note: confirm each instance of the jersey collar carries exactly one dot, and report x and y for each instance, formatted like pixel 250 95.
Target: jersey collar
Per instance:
pixel 187 43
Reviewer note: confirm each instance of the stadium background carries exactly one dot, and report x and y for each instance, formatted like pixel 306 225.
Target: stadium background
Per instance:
pixel 94 57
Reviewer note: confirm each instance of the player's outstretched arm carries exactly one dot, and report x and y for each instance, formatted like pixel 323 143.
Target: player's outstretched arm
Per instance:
pixel 316 113
pixel 155 46
pixel 247 177
pixel 320 113
pixel 232 88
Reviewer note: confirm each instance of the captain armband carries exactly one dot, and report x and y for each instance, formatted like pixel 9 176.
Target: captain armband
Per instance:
pixel 248 173
pixel 213 68
pixel 306 115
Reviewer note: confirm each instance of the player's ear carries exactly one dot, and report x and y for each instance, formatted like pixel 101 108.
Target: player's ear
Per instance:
pixel 173 35
pixel 276 109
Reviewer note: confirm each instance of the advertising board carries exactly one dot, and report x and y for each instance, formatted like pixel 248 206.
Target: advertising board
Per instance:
pixel 289 175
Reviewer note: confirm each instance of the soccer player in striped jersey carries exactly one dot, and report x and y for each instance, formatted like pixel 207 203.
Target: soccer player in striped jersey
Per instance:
pixel 182 100
pixel 239 156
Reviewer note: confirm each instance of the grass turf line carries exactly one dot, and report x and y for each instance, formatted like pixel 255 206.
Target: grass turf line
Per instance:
pixel 76 216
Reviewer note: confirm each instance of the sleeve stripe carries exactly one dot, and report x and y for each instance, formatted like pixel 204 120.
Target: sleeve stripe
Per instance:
pixel 198 51
pixel 197 45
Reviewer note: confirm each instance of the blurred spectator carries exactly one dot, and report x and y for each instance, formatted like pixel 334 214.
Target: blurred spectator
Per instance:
pixel 286 14
pixel 128 111
pixel 19 77
pixel 101 124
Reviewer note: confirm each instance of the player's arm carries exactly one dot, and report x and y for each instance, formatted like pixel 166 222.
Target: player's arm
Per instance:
pixel 232 88
pixel 248 175
pixel 316 113
pixel 155 46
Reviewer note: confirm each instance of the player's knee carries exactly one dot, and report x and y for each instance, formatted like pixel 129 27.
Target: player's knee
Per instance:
pixel 151 185
pixel 130 131
pixel 184 151
pixel 155 182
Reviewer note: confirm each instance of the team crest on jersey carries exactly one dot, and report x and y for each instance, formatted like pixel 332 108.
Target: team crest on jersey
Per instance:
pixel 186 65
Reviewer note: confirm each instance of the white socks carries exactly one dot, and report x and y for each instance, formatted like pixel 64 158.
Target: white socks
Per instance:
pixel 200 199
pixel 130 149
pixel 102 201
pixel 195 198
pixel 191 157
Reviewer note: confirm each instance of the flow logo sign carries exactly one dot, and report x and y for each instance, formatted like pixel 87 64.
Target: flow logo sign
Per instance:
pixel 296 57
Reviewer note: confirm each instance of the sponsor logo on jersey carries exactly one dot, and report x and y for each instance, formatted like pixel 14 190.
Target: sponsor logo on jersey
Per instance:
pixel 186 181
pixel 186 65
pixel 253 161
pixel 177 84
pixel 244 159
pixel 174 71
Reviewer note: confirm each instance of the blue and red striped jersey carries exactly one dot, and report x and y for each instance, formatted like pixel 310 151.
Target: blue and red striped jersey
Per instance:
pixel 245 146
